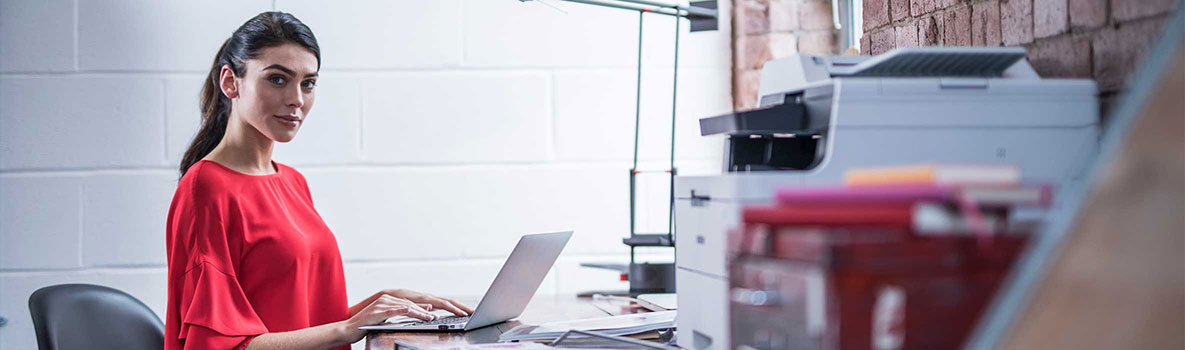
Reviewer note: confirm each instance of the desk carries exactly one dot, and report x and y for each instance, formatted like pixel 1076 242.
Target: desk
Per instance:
pixel 541 309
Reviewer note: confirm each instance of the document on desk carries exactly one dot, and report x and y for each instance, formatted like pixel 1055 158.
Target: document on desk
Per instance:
pixel 488 346
pixel 612 325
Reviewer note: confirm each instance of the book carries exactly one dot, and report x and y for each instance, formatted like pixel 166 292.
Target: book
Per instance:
pixel 934 174
pixel 922 217
pixel 831 214
pixel 980 209
pixel 1038 195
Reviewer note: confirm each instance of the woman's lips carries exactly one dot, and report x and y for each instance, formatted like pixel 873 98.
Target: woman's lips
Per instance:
pixel 289 120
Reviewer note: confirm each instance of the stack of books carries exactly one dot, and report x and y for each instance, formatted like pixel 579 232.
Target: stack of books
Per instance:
pixel 896 258
pixel 930 199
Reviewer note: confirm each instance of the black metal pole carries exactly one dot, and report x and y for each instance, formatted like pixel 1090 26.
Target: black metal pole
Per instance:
pixel 637 128
pixel 674 116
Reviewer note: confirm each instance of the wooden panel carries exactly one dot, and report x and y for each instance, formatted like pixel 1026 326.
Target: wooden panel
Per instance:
pixel 1119 282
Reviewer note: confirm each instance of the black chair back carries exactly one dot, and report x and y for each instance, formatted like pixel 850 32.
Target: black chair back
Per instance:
pixel 86 316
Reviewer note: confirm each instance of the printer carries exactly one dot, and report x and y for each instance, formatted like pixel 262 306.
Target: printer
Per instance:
pixel 819 116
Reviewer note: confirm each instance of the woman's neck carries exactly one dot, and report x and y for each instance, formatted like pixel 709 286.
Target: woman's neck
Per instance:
pixel 244 149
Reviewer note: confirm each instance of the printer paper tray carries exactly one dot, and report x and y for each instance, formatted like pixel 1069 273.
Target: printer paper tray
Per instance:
pixel 783 118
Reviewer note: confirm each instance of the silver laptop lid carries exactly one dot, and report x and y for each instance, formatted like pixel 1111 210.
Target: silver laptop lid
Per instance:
pixel 519 278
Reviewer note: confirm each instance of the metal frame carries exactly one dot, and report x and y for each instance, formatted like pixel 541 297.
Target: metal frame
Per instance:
pixel 703 16
pixel 695 11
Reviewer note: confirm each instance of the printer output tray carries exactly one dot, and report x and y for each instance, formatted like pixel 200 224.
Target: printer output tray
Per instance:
pixel 783 118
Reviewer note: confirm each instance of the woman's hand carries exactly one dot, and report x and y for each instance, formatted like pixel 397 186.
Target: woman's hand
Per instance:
pixel 447 304
pixel 379 310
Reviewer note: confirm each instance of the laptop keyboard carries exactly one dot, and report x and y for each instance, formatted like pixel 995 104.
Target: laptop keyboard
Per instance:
pixel 443 320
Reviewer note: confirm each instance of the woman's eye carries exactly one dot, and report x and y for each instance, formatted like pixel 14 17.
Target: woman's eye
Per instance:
pixel 278 80
pixel 309 84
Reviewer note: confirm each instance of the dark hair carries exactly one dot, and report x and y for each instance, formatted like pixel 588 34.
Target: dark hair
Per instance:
pixel 268 29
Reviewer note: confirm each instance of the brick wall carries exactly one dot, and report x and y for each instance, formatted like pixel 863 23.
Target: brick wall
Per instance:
pixel 769 29
pixel 1096 39
pixel 442 131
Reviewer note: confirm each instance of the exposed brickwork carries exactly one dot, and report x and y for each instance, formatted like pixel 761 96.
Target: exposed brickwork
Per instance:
pixel 883 40
pixel 1062 57
pixel 899 9
pixel 927 31
pixel 1016 21
pixel 1117 52
pixel 1050 17
pixel 769 29
pixel 1126 10
pixel 876 13
pixel 815 14
pixel 985 23
pixel 921 7
pixel 754 51
pixel 782 44
pixel 1102 40
pixel 1087 14
pixel 754 17
pixel 783 15
pixel 917 7
pixel 744 88
pixel 907 35
pixel 956 27
pixel 817 43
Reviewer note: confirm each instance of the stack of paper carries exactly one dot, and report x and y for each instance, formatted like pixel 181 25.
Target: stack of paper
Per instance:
pixel 489 346
pixel 612 325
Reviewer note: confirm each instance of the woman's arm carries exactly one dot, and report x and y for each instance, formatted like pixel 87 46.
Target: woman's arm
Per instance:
pixel 341 333
pixel 321 337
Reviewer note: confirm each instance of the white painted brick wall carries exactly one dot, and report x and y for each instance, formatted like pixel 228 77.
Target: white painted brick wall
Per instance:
pixel 68 122
pixel 145 35
pixel 457 117
pixel 29 44
pixel 122 216
pixel 442 130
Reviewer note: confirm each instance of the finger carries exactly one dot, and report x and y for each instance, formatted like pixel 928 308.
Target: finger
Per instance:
pixel 375 302
pixel 416 313
pixel 448 306
pixel 427 307
pixel 415 306
pixel 409 312
pixel 461 306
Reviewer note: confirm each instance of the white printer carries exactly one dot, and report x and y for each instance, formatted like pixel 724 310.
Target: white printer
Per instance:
pixel 819 116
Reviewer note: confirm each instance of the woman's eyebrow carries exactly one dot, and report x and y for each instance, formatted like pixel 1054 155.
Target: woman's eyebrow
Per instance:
pixel 287 70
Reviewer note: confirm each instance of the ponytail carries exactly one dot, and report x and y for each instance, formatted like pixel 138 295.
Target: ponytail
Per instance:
pixel 215 114
pixel 264 30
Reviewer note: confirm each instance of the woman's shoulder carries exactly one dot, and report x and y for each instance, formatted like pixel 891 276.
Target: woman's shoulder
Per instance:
pixel 204 180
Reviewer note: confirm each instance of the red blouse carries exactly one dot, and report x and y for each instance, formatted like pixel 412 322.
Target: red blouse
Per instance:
pixel 247 255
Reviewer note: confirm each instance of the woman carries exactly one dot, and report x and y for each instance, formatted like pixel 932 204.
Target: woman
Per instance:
pixel 251 263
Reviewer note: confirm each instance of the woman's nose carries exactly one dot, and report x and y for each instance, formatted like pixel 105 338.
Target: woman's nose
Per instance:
pixel 295 98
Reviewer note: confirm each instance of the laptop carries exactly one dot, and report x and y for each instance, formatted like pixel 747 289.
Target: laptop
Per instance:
pixel 512 289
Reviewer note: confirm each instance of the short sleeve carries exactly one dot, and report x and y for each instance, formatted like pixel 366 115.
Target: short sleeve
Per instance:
pixel 215 313
pixel 208 307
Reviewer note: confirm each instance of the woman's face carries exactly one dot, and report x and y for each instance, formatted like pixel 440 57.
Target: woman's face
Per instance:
pixel 277 91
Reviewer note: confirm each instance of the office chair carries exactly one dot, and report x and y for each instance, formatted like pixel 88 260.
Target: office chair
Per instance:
pixel 86 316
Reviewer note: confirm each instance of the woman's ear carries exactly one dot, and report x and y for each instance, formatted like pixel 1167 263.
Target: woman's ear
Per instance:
pixel 228 83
